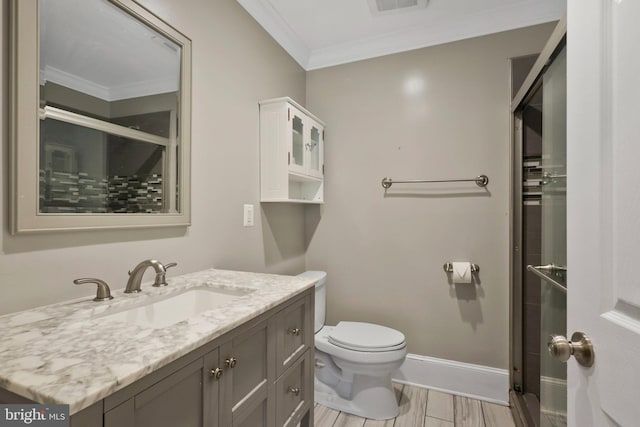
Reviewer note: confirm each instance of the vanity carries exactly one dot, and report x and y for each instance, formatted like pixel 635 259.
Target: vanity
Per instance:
pixel 213 348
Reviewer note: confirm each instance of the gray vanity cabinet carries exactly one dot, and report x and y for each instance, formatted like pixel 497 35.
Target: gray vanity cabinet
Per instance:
pixel 248 363
pixel 227 387
pixel 294 391
pixel 257 375
pixel 176 400
pixel 294 333
pixel 294 369
pixel 211 382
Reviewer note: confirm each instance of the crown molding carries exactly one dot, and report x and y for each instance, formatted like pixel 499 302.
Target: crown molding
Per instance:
pixel 266 15
pixel 464 27
pixel 522 14
pixel 115 93
pixel 74 82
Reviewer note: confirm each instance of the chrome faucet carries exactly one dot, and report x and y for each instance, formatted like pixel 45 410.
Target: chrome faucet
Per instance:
pixel 161 280
pixel 135 275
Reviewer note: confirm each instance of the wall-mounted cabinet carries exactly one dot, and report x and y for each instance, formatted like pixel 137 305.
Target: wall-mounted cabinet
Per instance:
pixel 291 153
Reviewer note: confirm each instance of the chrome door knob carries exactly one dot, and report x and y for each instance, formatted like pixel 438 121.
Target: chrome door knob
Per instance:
pixel 293 331
pixel 579 347
pixel 559 347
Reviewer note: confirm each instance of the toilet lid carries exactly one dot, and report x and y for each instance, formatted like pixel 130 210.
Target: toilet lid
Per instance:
pixel 366 337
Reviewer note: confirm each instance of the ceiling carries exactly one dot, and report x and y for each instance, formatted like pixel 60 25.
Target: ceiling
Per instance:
pixel 96 48
pixel 322 33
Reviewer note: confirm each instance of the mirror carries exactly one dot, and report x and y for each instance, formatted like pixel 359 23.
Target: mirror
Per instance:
pixel 101 118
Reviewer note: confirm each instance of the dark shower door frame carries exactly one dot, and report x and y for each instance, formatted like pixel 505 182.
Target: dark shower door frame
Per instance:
pixel 525 410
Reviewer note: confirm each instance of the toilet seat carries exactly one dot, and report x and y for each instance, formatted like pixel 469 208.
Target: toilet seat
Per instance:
pixel 360 356
pixel 367 337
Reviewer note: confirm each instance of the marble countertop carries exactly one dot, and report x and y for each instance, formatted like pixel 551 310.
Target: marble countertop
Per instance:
pixel 64 353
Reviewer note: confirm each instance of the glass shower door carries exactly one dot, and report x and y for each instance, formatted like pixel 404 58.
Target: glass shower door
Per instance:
pixel 553 373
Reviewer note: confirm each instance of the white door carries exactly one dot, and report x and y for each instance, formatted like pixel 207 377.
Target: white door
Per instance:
pixel 603 217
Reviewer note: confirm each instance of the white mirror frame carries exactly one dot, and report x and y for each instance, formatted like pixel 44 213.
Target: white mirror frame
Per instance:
pixel 25 131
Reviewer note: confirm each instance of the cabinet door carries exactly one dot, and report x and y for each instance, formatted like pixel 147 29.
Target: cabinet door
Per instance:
pixel 314 149
pixel 253 417
pixel 249 372
pixel 177 400
pixel 306 150
pixel 294 392
pixel 212 378
pixel 298 131
pixel 294 332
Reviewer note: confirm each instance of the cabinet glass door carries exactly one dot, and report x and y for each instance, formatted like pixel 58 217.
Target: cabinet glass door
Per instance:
pixel 297 143
pixel 314 147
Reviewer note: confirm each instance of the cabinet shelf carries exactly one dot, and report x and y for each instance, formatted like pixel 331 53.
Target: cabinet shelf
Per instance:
pixel 297 177
pixel 290 200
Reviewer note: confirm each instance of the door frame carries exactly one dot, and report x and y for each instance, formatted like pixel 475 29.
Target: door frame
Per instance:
pixel 533 81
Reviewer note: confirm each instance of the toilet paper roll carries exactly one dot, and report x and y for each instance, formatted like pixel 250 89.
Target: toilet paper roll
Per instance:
pixel 461 272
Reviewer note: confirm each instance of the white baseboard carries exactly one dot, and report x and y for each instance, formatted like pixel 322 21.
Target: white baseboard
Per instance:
pixel 462 379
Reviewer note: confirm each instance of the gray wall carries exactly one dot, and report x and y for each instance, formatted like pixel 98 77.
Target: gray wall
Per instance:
pixel 235 64
pixel 384 255
pixel 438 112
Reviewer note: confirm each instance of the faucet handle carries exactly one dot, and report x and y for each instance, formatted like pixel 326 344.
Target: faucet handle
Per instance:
pixel 161 279
pixel 103 294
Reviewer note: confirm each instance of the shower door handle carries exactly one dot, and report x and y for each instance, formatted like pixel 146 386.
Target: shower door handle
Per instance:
pixel 579 347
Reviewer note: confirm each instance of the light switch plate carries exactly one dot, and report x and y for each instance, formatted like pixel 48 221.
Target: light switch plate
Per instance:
pixel 248 215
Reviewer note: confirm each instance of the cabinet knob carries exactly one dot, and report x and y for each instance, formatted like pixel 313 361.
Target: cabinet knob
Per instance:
pixel 231 362
pixel 293 331
pixel 216 373
pixel 294 390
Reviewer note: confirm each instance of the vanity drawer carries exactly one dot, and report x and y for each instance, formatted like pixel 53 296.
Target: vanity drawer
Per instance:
pixel 294 391
pixel 294 332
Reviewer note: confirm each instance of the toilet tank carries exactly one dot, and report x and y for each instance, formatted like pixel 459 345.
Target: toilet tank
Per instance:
pixel 321 296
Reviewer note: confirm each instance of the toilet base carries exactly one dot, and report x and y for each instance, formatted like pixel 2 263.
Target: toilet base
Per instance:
pixel 372 397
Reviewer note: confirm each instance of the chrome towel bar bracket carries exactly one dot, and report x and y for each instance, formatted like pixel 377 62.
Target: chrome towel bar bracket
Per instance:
pixel 544 271
pixel 480 180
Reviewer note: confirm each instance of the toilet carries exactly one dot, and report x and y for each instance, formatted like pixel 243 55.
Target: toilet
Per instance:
pixel 354 362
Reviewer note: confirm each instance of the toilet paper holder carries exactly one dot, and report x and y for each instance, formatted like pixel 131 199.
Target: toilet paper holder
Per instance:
pixel 448 267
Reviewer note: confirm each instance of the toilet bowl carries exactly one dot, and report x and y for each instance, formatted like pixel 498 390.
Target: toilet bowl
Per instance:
pixel 354 362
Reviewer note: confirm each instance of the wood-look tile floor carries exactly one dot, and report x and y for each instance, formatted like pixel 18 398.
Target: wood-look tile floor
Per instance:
pixel 420 407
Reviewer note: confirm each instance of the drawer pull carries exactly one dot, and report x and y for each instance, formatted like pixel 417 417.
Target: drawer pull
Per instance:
pixel 231 362
pixel 216 373
pixel 294 390
pixel 293 331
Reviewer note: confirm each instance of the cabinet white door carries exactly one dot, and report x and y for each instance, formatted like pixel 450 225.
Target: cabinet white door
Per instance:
pixel 314 150
pixel 298 129
pixel 306 139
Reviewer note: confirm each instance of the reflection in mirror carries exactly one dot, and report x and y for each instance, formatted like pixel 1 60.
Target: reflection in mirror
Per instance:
pixel 109 111
pixel 100 114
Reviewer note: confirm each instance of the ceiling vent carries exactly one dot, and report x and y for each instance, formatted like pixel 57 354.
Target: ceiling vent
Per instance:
pixel 384 7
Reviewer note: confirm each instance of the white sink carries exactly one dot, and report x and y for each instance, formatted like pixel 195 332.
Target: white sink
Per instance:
pixel 170 309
